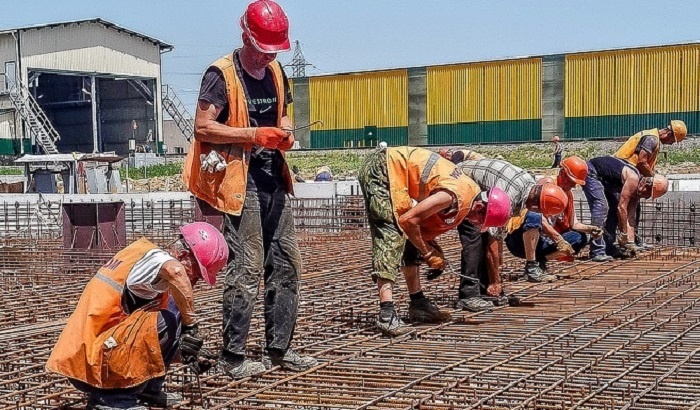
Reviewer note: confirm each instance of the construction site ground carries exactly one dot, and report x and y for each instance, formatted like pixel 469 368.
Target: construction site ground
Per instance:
pixel 620 335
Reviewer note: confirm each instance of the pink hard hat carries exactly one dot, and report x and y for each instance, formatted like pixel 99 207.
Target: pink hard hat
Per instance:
pixel 497 208
pixel 208 247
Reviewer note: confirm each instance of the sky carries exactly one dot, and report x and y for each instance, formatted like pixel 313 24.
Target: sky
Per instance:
pixel 355 35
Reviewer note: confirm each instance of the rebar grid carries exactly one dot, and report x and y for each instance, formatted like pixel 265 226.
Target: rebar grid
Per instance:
pixel 619 335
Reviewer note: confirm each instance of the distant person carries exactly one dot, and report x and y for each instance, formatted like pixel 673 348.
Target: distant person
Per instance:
pixel 382 145
pixel 324 174
pixel 558 151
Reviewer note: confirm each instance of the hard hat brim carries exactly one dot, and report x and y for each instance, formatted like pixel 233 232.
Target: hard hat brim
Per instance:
pixel 271 48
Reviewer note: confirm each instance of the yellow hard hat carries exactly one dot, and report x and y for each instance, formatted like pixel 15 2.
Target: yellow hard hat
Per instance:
pixel 679 130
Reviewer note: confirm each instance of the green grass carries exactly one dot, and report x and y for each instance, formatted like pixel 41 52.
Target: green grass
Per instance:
pixel 11 171
pixel 161 170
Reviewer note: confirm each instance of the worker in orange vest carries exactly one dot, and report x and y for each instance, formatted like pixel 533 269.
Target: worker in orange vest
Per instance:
pixel 531 236
pixel 237 165
pixel 412 196
pixel 133 317
pixel 641 151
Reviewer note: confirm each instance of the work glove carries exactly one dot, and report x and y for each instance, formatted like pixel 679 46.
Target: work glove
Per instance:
pixel 494 289
pixel 627 251
pixel 190 343
pixel 213 162
pixel 596 232
pixel 435 260
pixel 269 137
pixel 287 142
pixel 205 361
pixel 565 247
pixel 622 239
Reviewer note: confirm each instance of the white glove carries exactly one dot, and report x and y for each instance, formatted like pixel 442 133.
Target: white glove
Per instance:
pixel 213 162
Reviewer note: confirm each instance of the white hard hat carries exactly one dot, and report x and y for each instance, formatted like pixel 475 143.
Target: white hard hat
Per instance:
pixel 382 145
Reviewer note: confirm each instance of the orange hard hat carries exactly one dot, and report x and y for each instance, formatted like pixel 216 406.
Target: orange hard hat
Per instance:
pixel 679 130
pixel 208 247
pixel 266 23
pixel 576 169
pixel 556 138
pixel 659 187
pixel 553 200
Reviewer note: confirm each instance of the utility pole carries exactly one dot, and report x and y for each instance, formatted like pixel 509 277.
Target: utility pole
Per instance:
pixel 298 62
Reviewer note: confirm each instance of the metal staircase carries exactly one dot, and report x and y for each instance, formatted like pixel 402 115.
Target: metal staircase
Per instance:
pixel 174 106
pixel 35 118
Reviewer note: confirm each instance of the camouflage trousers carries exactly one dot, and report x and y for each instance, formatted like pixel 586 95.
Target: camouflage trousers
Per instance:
pixel 390 248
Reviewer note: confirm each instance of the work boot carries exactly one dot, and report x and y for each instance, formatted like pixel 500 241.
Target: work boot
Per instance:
pixel 391 325
pixel 160 399
pixel 426 311
pixel 241 370
pixel 474 304
pixel 601 257
pixel 291 360
pixel 535 274
pixel 543 266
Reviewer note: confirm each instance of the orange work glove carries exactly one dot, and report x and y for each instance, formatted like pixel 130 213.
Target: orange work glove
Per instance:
pixel 494 289
pixel 287 142
pixel 269 137
pixel 435 260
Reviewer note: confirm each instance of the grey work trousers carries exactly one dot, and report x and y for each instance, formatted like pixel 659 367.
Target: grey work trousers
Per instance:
pixel 262 244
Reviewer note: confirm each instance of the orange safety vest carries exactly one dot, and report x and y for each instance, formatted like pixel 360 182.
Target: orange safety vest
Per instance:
pixel 225 190
pixel 415 174
pixel 627 149
pixel 101 344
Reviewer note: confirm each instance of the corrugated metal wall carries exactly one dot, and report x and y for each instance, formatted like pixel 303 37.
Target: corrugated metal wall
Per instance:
pixel 9 143
pixel 354 105
pixel 617 93
pixel 485 102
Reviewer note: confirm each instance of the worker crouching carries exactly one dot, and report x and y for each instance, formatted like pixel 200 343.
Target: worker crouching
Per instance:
pixel 538 239
pixel 412 196
pixel 133 318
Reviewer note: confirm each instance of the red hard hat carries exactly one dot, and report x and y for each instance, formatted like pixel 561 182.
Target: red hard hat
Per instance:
pixel 497 209
pixel 553 200
pixel 208 246
pixel 444 152
pixel 576 169
pixel 267 26
pixel 556 138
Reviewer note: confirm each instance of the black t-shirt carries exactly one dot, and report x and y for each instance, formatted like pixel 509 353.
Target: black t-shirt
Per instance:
pixel 647 143
pixel 265 169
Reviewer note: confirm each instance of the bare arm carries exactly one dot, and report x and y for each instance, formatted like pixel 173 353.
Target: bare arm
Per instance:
pixel 643 160
pixel 549 231
pixel 180 289
pixel 207 129
pixel 410 222
pixel 628 200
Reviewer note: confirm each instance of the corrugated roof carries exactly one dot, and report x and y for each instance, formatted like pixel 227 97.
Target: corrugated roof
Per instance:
pixel 164 47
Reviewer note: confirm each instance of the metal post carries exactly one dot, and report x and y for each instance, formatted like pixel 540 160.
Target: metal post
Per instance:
pixel 93 99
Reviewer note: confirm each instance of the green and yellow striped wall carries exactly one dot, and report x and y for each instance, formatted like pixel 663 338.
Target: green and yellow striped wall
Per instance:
pixel 353 106
pixel 9 143
pixel 620 92
pixel 485 102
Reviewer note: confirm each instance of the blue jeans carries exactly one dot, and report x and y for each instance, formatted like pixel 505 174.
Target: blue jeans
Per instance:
pixel 603 206
pixel 168 334
pixel 545 246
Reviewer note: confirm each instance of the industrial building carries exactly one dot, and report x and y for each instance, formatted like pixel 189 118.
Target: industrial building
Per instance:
pixel 86 86
pixel 583 95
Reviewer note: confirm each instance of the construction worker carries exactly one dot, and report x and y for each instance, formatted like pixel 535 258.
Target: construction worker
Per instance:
pixel 459 155
pixel 613 189
pixel 481 251
pixel 133 317
pixel 563 238
pixel 237 165
pixel 558 151
pixel 413 194
pixel 324 174
pixel 642 149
